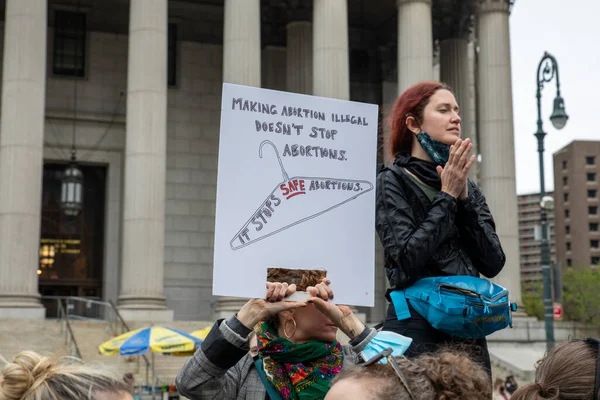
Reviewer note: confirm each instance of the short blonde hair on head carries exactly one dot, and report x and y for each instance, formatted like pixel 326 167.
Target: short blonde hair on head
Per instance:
pixel 31 376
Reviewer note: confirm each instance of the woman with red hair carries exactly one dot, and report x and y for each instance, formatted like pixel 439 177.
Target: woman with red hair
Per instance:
pixel 432 221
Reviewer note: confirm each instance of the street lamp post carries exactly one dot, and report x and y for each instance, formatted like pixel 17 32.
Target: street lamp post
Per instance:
pixel 547 70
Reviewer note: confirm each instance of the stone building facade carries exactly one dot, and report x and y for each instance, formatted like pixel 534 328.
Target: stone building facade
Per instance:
pixel 133 86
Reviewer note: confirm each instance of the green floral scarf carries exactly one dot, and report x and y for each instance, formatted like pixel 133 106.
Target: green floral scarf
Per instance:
pixel 298 371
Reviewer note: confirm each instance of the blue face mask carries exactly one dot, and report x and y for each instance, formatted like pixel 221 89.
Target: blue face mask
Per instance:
pixel 438 151
pixel 382 341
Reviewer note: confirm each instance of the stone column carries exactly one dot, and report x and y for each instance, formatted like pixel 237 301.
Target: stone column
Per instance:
pixel 471 124
pixel 241 42
pixel 299 57
pixel 496 133
pixel 415 43
pixel 241 65
pixel 142 265
pixel 455 70
pixel 330 49
pixel 21 156
pixel 274 68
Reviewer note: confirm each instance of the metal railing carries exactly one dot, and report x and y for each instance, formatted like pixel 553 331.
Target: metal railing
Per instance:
pixel 93 309
pixel 65 328
pixel 149 366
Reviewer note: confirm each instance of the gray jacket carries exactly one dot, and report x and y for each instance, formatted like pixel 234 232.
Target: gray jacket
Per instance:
pixel 222 368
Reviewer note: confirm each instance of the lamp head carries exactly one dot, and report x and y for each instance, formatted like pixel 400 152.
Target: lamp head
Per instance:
pixel 559 117
pixel 547 203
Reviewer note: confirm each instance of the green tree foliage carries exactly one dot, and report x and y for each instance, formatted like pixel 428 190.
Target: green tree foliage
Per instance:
pixel 532 295
pixel 581 295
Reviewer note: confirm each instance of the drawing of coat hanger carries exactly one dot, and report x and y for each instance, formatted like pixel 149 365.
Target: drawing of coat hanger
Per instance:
pixel 294 201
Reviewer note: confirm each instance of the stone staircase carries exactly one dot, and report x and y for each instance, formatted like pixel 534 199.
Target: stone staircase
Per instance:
pixel 42 336
pixel 45 337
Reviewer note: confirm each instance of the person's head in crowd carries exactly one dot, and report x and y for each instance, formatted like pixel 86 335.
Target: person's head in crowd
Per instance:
pixel 441 376
pixel 301 324
pixel 511 384
pixel 129 378
pixel 568 371
pixel 31 376
pixel 428 107
pixel 499 385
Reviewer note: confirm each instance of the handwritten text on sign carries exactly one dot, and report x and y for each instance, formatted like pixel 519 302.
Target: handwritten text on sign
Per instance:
pixel 295 190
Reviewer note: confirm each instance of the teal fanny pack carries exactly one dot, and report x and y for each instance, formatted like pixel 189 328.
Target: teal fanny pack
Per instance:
pixel 460 306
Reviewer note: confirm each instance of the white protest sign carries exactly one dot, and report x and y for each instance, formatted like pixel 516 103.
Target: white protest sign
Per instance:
pixel 295 189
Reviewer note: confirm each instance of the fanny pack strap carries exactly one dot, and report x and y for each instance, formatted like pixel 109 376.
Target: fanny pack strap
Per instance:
pixel 400 304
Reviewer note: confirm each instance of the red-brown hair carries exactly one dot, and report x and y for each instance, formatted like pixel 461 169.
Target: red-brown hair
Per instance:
pixel 412 102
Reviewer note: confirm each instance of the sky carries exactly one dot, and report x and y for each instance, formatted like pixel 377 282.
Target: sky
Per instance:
pixel 570 31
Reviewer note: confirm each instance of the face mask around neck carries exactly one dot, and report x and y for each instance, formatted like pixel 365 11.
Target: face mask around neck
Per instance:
pixel 437 151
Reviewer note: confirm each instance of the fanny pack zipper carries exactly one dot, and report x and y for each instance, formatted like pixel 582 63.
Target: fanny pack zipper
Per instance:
pixel 471 293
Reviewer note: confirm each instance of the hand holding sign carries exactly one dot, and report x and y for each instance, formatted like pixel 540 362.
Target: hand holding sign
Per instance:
pixel 257 310
pixel 342 316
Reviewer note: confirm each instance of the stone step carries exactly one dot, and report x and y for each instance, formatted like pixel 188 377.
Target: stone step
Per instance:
pixel 45 337
pixel 41 336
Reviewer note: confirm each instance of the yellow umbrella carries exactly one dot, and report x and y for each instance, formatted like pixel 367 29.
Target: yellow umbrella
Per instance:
pixel 202 333
pixel 157 339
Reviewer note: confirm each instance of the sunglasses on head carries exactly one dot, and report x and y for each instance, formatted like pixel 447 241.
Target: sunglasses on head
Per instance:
pixel 387 354
pixel 595 344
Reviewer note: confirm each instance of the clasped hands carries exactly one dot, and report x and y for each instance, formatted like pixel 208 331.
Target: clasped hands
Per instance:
pixel 454 174
pixel 256 310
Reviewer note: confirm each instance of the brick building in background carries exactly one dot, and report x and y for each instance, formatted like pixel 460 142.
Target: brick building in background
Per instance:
pixel 529 237
pixel 577 198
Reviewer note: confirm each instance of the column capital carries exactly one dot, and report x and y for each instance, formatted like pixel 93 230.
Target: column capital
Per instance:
pixel 403 2
pixel 486 6
pixel 454 20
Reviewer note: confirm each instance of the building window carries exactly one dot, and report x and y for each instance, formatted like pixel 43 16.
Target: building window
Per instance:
pixel 590 160
pixel 69 43
pixel 592 193
pixel 568 229
pixel 172 55
pixel 593 227
pixel 594 243
pixel 565 181
pixel 566 196
pixel 566 213
pixel 595 260
pixel 569 262
pixel 593 210
pixel 591 176
pixel 568 246
pixel 564 164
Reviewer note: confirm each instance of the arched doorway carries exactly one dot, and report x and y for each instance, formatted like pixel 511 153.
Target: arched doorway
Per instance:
pixel 72 247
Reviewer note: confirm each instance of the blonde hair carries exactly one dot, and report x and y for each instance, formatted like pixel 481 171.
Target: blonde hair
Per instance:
pixel 31 376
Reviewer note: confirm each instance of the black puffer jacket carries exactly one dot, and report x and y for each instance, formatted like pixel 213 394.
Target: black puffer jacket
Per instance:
pixel 440 238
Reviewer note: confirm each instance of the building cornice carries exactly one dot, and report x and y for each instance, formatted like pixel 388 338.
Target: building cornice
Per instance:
pixel 402 2
pixel 486 6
